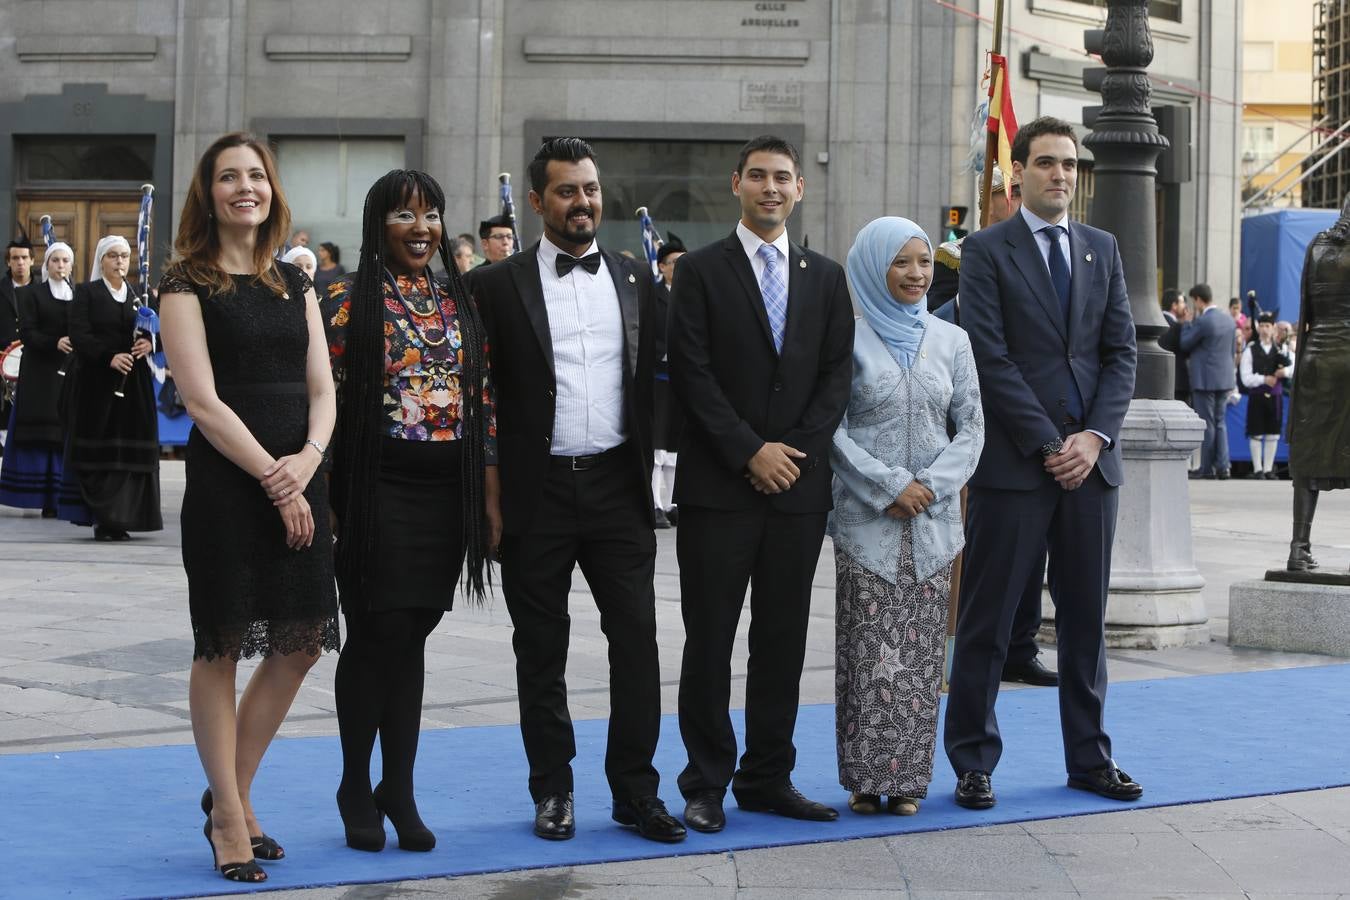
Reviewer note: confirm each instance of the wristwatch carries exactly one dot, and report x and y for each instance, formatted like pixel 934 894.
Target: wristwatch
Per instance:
pixel 1050 448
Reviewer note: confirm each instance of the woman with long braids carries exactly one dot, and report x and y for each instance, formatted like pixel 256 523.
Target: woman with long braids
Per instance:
pixel 414 488
pixel 245 338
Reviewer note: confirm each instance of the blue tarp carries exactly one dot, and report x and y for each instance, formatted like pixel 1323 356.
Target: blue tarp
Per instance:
pixel 1273 245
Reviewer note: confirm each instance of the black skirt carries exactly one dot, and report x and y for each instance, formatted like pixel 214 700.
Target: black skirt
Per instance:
pixel 1265 412
pixel 419 526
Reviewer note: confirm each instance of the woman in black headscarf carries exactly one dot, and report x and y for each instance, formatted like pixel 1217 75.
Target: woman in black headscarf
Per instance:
pixel 414 487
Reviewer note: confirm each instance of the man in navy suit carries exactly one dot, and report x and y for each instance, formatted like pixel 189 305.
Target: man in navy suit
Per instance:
pixel 1209 339
pixel 1023 658
pixel 1043 300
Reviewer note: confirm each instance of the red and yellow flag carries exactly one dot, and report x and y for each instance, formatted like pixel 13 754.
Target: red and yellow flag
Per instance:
pixel 1002 122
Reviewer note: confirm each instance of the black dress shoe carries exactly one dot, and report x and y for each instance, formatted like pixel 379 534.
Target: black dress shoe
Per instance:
pixel 553 818
pixel 1223 475
pixel 651 819
pixel 660 518
pixel 703 812
pixel 787 801
pixel 1030 672
pixel 1109 782
pixel 974 791
pixel 673 516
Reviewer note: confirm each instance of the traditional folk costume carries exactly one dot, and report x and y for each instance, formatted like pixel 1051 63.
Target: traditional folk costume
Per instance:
pixel 111 465
pixel 31 474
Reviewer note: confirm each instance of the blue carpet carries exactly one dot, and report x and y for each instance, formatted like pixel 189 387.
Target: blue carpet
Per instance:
pixel 124 823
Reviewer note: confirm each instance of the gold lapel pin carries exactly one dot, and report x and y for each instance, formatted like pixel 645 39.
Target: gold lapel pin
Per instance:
pixel 1088 258
pixel 802 264
pixel 632 279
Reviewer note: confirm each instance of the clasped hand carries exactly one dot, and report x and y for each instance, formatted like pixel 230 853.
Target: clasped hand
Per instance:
pixel 1072 465
pixel 914 499
pixel 286 479
pixel 772 470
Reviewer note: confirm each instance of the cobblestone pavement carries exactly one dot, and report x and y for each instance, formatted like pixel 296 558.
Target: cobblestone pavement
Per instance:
pixel 96 644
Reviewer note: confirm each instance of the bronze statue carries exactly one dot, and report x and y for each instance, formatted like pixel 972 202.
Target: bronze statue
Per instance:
pixel 1319 415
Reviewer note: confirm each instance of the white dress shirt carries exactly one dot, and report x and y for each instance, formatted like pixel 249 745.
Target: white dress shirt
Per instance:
pixel 586 327
pixel 752 242
pixel 1036 223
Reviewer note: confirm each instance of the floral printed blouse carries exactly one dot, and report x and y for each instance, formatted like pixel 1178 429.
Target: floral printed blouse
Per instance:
pixel 424 357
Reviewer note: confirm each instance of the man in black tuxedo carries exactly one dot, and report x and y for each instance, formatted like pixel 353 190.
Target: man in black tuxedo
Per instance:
pixel 1043 301
pixel 760 348
pixel 570 330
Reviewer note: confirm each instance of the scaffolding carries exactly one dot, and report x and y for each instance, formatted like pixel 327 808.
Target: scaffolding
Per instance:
pixel 1326 172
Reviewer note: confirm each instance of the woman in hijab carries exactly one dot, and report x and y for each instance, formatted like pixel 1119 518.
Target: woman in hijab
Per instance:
pixel 111 469
pixel 898 471
pixel 31 475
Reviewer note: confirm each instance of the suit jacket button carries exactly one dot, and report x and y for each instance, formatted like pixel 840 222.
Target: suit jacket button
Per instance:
pixel 1070 357
pixel 550 395
pixel 1063 402
pixel 548 440
pixel 778 385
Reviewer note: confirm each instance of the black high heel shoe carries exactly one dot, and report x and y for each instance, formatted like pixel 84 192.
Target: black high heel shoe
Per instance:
pixel 249 872
pixel 264 847
pixel 413 834
pixel 364 835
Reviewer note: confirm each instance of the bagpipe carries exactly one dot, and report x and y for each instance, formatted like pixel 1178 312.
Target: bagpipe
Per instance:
pixel 508 207
pixel 651 241
pixel 147 320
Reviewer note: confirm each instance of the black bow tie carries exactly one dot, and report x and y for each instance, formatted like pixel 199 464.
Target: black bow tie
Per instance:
pixel 566 263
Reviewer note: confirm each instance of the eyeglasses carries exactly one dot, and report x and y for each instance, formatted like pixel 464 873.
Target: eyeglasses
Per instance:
pixel 117 254
pixel 504 238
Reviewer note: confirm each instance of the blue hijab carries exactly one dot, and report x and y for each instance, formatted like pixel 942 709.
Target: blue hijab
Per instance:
pixel 899 325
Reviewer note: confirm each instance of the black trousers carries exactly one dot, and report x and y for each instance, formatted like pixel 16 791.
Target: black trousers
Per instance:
pixel 597 519
pixel 721 552
pixel 1006 532
pixel 1026 624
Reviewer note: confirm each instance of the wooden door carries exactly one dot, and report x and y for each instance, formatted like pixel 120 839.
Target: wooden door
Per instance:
pixel 81 219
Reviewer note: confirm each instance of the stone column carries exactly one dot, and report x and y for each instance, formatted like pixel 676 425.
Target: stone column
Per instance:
pixel 1155 596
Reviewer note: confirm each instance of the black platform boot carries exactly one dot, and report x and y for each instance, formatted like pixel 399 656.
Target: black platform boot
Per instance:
pixel 1300 548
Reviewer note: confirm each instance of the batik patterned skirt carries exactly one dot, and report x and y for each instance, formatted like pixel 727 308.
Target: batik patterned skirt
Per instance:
pixel 890 640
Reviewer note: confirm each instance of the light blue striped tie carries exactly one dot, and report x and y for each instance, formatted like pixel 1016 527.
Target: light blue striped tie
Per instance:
pixel 774 289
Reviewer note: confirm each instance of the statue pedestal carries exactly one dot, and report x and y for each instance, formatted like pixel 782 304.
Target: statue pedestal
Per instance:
pixel 1155 598
pixel 1294 612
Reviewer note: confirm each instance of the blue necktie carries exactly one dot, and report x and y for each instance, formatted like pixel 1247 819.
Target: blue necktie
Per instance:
pixel 774 289
pixel 1060 274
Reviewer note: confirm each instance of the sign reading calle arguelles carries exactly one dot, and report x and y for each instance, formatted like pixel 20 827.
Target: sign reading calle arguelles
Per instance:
pixel 763 94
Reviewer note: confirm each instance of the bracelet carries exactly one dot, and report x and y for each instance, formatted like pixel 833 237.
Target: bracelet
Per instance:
pixel 317 446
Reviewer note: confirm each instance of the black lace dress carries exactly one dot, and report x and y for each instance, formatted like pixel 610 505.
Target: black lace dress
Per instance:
pixel 248 592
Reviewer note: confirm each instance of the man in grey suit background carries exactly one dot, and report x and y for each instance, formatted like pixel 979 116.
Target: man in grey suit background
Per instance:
pixel 1043 301
pixel 1208 338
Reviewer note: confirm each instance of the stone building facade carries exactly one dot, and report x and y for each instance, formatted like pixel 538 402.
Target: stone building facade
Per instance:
pixel 97 96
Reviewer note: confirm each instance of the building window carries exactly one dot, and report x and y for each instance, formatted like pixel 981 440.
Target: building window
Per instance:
pixel 1258 146
pixel 1157 9
pixel 86 158
pixel 685 185
pixel 326 180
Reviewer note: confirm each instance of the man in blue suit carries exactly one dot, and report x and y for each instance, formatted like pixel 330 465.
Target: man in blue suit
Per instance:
pixel 1043 300
pixel 1210 340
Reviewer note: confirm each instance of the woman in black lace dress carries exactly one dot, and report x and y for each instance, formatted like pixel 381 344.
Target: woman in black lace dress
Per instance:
pixel 245 340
